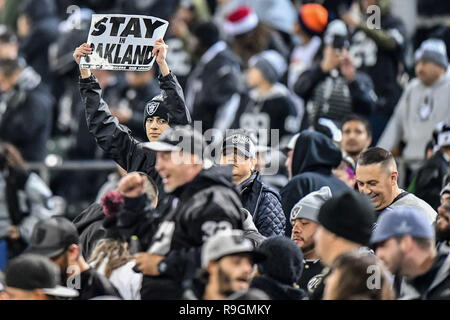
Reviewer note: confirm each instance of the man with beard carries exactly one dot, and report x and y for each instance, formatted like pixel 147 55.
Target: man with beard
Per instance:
pixel 404 240
pixel 376 177
pixel 346 223
pixel 57 238
pixel 304 226
pixel 227 262
pixel 443 221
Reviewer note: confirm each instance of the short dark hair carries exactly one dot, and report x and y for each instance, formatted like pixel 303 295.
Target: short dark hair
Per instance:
pixel 9 66
pixel 375 155
pixel 355 117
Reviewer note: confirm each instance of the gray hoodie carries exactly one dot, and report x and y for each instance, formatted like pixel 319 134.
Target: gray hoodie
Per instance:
pixel 415 118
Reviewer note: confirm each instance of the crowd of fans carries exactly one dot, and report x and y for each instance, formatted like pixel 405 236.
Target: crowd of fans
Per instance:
pixel 326 175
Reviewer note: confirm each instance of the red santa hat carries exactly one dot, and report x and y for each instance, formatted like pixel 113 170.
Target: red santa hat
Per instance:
pixel 240 21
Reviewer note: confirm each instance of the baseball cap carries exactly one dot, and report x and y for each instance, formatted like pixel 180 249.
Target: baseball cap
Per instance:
pixel 53 236
pixel 291 144
pixel 226 243
pixel 242 142
pixel 443 134
pixel 178 138
pixel 32 271
pixel 446 189
pixel 402 221
pixel 308 207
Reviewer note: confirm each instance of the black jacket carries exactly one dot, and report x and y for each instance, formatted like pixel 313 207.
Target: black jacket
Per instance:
pixel 116 140
pixel 135 217
pixel 202 207
pixel 136 99
pixel 264 204
pixel 94 284
pixel 314 157
pixel 275 110
pixel 429 179
pixel 89 227
pixel 43 32
pixel 333 97
pixel 379 53
pixel 277 290
pixel 26 122
pixel 211 85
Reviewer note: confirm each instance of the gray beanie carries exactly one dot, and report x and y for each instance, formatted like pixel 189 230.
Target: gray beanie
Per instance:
pixel 271 64
pixel 308 207
pixel 433 50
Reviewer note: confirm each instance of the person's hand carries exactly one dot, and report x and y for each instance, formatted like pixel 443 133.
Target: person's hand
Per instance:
pixel 147 263
pixel 131 185
pixel 79 52
pixel 14 233
pixel 122 114
pixel 350 19
pixel 331 59
pixel 347 67
pixel 160 52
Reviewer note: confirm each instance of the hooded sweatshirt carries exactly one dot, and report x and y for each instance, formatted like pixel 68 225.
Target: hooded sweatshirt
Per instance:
pixel 420 109
pixel 314 157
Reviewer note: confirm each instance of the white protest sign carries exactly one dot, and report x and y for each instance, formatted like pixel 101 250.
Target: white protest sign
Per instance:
pixel 123 42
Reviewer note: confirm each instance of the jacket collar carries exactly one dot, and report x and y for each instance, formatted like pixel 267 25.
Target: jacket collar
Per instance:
pixel 213 51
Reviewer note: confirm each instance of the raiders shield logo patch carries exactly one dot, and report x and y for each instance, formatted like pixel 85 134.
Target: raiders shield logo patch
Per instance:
pixel 152 107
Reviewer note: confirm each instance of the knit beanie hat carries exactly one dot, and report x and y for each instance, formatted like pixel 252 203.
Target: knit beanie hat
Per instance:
pixel 308 207
pixel 313 18
pixel 433 50
pixel 284 261
pixel 350 215
pixel 271 64
pixel 240 21
pixel 158 107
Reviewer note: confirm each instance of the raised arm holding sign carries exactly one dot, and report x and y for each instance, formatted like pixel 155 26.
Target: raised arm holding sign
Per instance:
pixel 123 42
pixel 162 111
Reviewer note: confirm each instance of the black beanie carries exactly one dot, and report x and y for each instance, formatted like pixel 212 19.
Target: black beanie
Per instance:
pixel 350 215
pixel 157 107
pixel 284 261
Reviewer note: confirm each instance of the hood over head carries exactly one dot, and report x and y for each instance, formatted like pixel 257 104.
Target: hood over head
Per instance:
pixel 314 150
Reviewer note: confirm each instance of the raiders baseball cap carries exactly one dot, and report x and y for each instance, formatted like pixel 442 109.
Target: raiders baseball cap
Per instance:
pixel 32 271
pixel 242 141
pixel 229 242
pixel 53 236
pixel 180 138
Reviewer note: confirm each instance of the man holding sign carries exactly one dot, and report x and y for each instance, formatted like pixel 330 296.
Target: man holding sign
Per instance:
pixel 163 111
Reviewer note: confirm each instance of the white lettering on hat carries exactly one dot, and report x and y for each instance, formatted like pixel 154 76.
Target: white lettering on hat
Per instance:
pixel 152 106
pixel 238 139
pixel 404 227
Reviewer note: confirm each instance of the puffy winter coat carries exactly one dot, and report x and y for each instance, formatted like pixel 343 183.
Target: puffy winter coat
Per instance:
pixel 264 204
